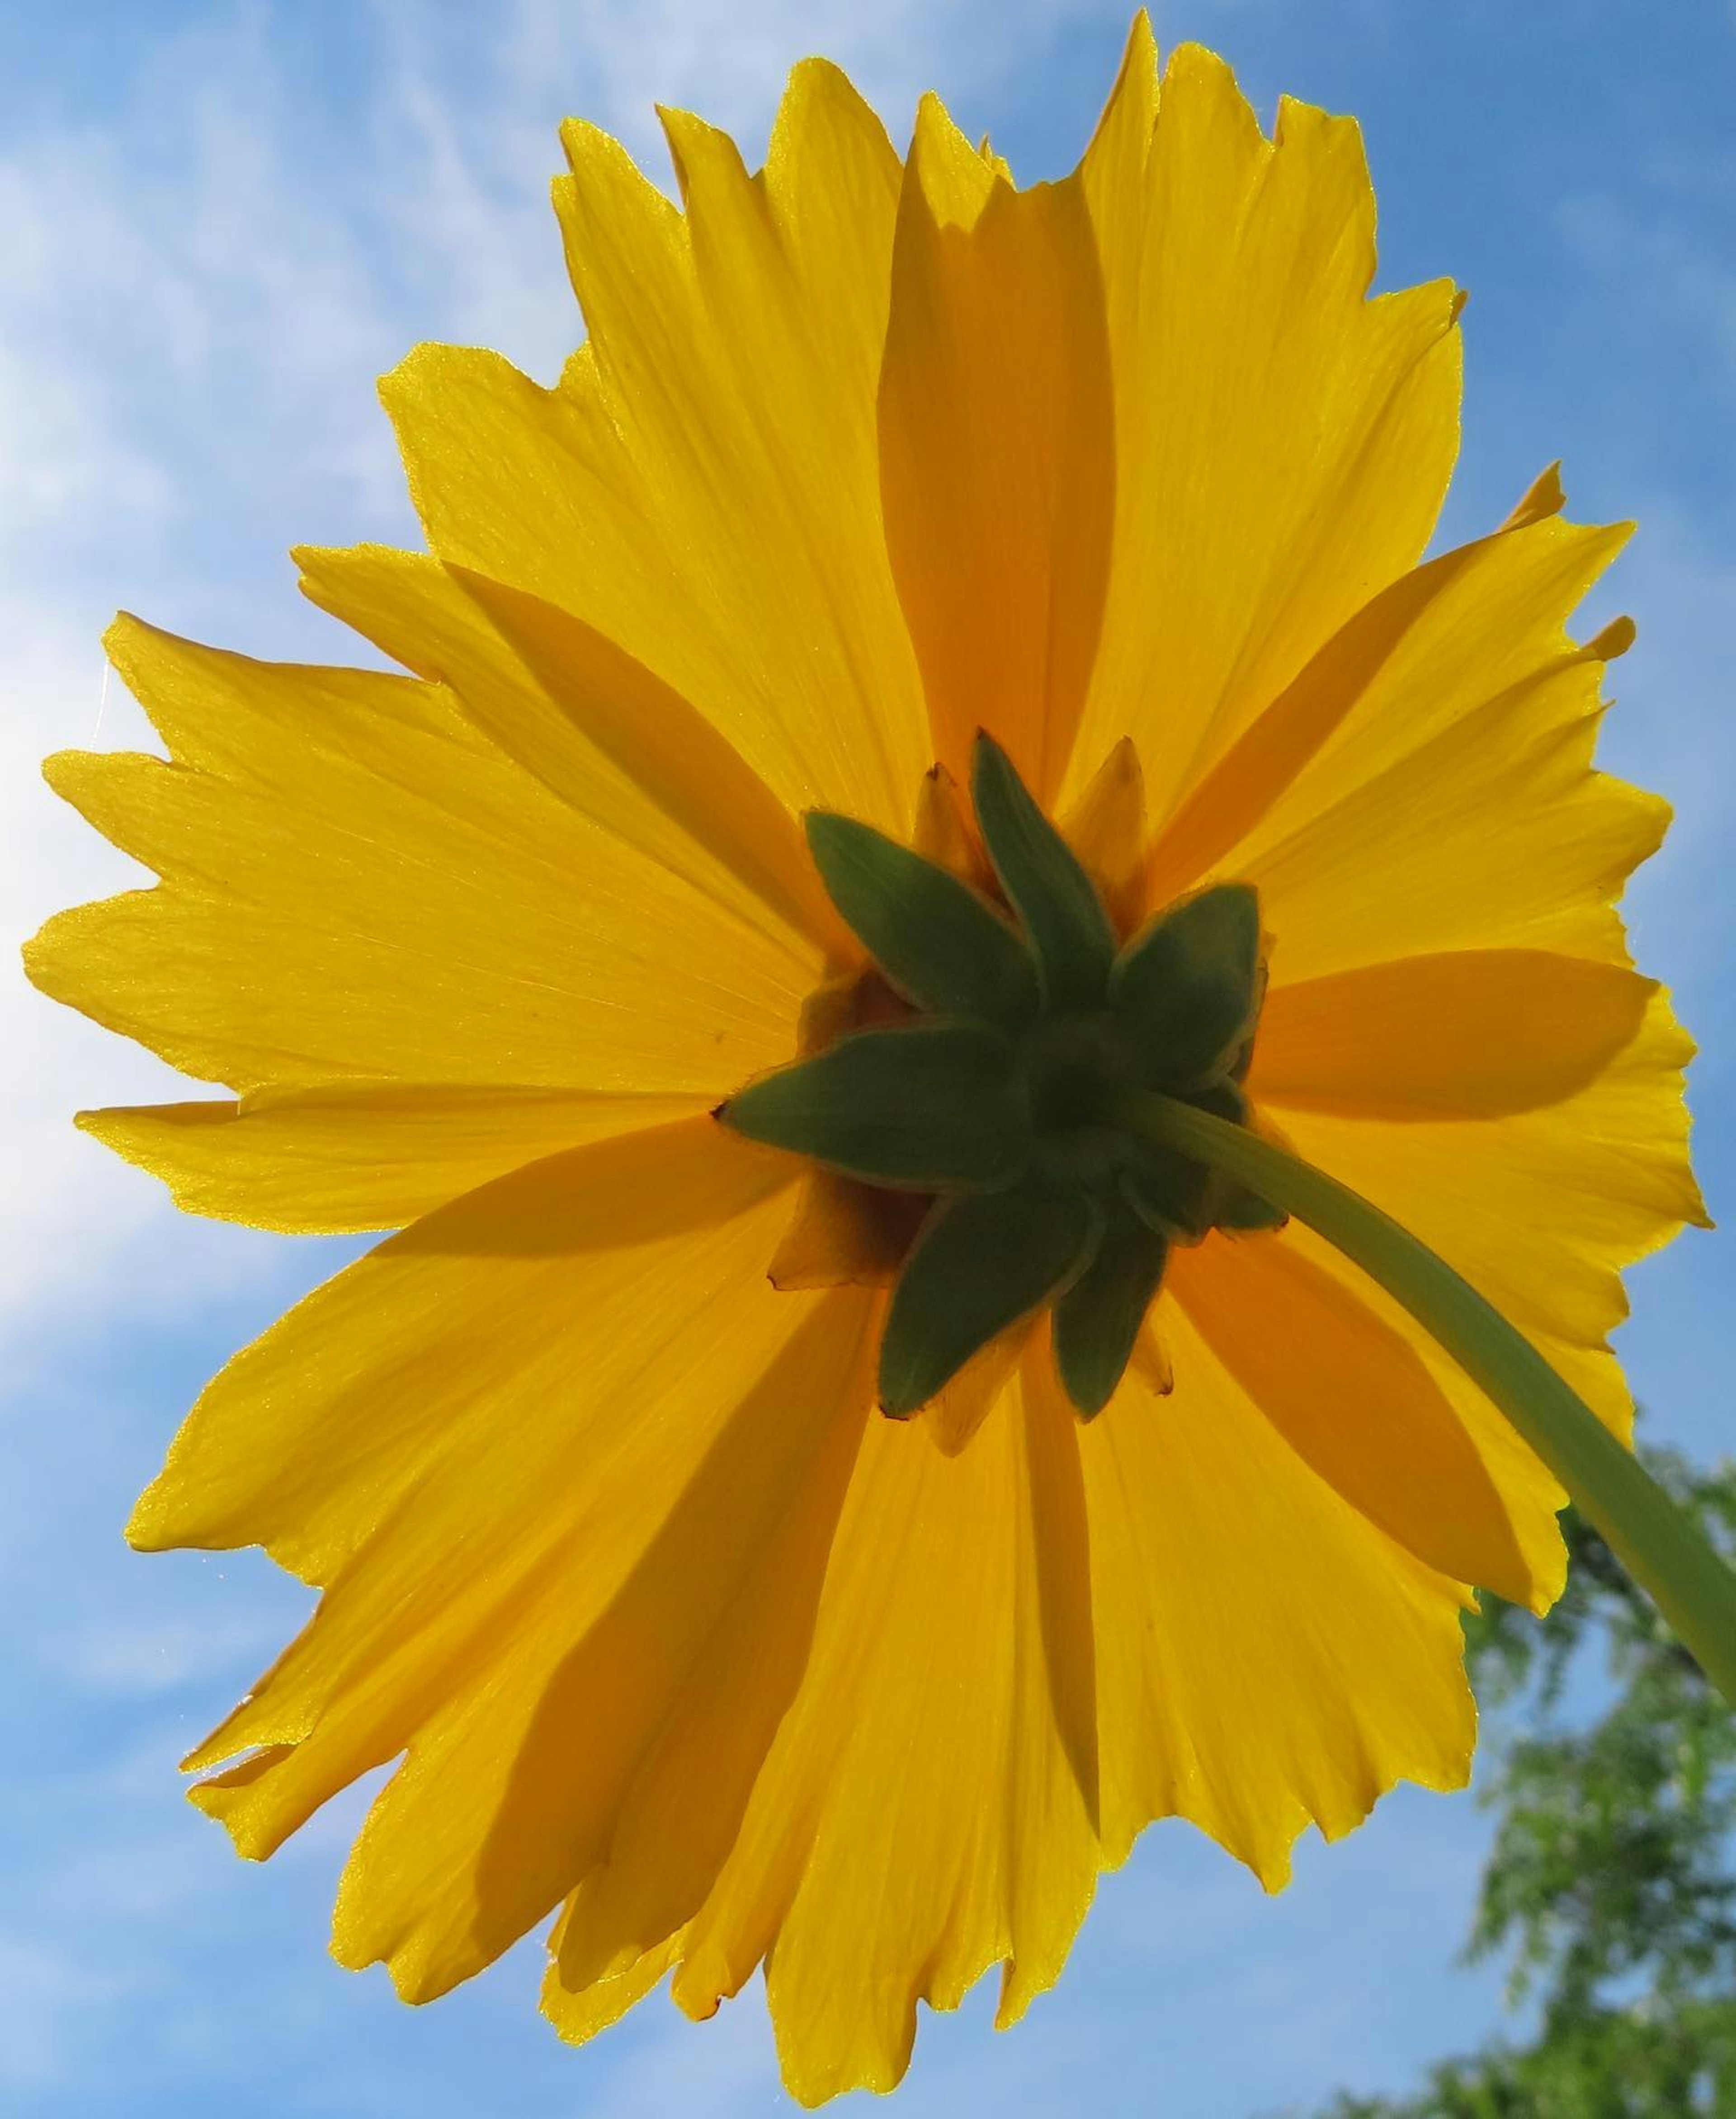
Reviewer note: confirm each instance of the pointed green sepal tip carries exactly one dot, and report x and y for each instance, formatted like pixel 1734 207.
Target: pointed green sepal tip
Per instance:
pixel 1170 1194
pixel 1186 989
pixel 1098 1318
pixel 1181 1198
pixel 1244 1212
pixel 939 942
pixel 1057 902
pixel 979 1265
pixel 923 1107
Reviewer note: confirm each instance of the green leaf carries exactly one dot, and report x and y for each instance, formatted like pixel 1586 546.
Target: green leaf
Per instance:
pixel 1052 895
pixel 1098 1318
pixel 978 1265
pixel 922 1107
pixel 941 943
pixel 1186 988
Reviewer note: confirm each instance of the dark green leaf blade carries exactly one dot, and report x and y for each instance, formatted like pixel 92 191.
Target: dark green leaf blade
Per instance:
pixel 1098 1318
pixel 1186 989
pixel 979 1265
pixel 1052 895
pixel 939 942
pixel 924 1106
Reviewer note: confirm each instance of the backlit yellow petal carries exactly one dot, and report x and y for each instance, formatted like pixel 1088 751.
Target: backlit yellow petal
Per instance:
pixel 1473 1033
pixel 1540 1211
pixel 1355 1403
pixel 996 449
pixel 508 1545
pixel 1260 394
pixel 924 1813
pixel 314 1482
pixel 363 893
pixel 596 727
pixel 1266 1658
pixel 343 1156
pixel 712 452
pixel 578 2017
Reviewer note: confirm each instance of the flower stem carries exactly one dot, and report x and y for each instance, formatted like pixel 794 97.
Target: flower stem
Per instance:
pixel 1651 1535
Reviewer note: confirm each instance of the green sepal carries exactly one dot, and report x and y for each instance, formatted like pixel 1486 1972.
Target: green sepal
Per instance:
pixel 1098 1318
pixel 1245 1211
pixel 1186 989
pixel 939 942
pixel 977 1266
pixel 1181 1198
pixel 1172 1193
pixel 1055 900
pixel 921 1107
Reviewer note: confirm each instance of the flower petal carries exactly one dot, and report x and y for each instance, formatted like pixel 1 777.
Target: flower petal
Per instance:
pixel 1266 1657
pixel 1353 1401
pixel 927 1809
pixel 996 449
pixel 596 727
pixel 1106 828
pixel 1475 1033
pixel 711 451
pixel 314 1480
pixel 556 1629
pixel 341 1157
pixel 1260 394
pixel 356 885
pixel 1540 1210
pixel 1445 798
pixel 1411 636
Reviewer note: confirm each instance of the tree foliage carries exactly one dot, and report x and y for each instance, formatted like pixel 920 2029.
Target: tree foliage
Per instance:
pixel 1610 1891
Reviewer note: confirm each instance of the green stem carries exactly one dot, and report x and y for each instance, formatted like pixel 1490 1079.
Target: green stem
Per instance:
pixel 1651 1535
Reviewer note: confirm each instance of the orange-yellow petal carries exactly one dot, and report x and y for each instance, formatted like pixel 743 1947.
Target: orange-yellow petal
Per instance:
pixel 1266 1657
pixel 996 449
pixel 1427 784
pixel 1352 1399
pixel 711 452
pixel 1282 441
pixel 331 1158
pixel 1541 1210
pixel 570 1542
pixel 596 728
pixel 356 884
pixel 1471 1033
pixel 927 1808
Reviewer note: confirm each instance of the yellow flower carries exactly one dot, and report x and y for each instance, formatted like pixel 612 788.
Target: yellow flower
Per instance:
pixel 670 1630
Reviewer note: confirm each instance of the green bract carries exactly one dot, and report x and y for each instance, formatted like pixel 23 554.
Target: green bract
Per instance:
pixel 978 1265
pixel 997 1097
pixel 940 943
pixel 929 1107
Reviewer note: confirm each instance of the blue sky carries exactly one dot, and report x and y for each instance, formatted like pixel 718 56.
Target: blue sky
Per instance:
pixel 217 225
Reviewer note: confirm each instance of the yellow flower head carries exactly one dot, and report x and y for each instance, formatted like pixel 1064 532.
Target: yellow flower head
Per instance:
pixel 672 1633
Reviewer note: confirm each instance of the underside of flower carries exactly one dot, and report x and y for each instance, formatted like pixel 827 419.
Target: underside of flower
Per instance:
pixel 993 1099
pixel 668 1633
